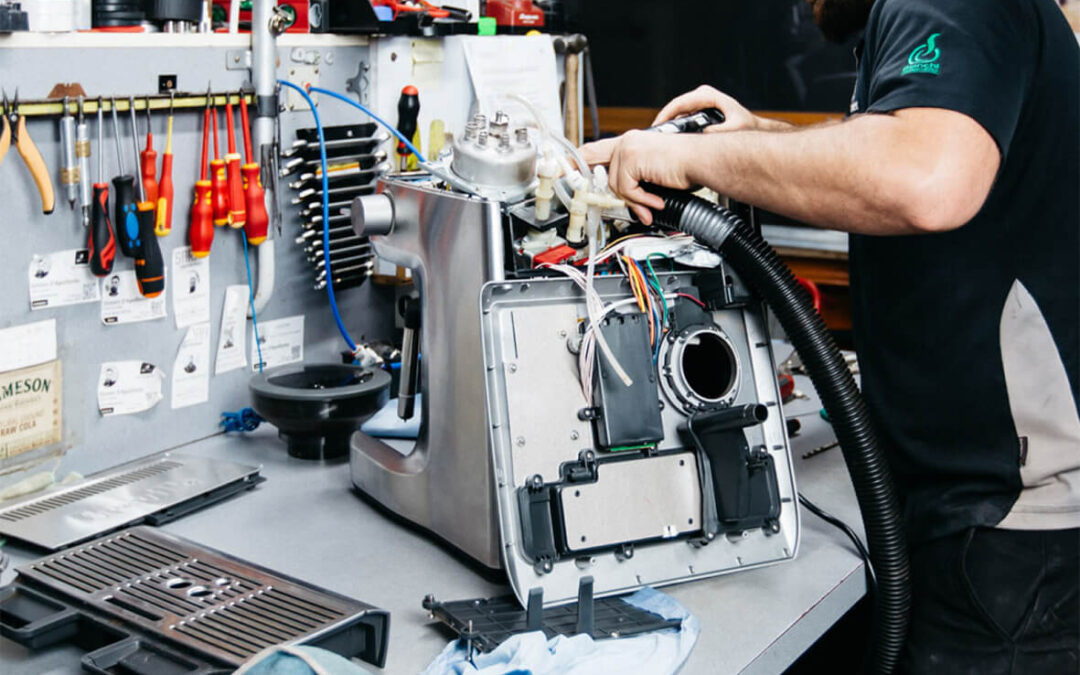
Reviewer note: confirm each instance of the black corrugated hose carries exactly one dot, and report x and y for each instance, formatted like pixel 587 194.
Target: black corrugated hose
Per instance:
pixel 760 267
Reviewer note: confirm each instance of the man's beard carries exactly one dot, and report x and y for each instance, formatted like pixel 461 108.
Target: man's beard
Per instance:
pixel 840 19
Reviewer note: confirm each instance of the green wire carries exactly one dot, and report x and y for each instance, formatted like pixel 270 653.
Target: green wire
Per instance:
pixel 656 282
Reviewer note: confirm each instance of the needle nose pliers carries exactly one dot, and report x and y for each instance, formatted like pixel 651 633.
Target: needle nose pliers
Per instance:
pixel 14 131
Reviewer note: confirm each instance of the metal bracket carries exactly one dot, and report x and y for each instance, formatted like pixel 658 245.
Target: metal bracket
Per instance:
pixel 238 59
pixel 360 84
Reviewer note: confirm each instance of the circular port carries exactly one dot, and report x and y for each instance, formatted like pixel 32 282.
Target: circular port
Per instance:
pixel 701 369
pixel 708 364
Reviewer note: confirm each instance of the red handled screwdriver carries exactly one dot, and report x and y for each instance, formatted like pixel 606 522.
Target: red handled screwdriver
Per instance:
pixel 149 264
pixel 201 234
pixel 163 226
pixel 254 196
pixel 148 160
pixel 219 197
pixel 237 213
pixel 100 240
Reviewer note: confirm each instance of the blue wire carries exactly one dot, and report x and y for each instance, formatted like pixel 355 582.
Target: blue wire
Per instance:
pixel 391 129
pixel 325 214
pixel 251 299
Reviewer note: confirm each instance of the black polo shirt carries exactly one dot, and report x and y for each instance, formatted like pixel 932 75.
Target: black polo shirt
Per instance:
pixel 968 340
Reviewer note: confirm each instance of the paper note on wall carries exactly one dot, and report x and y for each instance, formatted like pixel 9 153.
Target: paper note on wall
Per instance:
pixel 27 345
pixel 121 301
pixel 230 349
pixel 62 278
pixel 427 60
pixel 191 370
pixel 30 408
pixel 127 387
pixel 281 342
pixel 509 64
pixel 190 287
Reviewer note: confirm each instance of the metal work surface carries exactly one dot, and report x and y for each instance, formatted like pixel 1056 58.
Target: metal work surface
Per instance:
pixel 305 522
pixel 112 499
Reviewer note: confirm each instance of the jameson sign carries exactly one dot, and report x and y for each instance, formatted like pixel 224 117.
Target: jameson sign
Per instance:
pixel 30 404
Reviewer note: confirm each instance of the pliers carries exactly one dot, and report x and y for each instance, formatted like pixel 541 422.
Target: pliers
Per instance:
pixel 14 129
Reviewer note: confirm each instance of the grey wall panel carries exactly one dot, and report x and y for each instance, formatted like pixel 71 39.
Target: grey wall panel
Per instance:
pixel 91 442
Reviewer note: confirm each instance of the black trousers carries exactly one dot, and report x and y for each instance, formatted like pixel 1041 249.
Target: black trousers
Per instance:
pixel 988 601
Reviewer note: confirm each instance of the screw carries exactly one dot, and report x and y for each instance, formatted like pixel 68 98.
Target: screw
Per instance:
pixel 520 441
pixel 562 334
pixel 573 435
pixel 513 367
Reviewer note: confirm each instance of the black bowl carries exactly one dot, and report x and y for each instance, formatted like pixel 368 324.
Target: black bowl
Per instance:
pixel 317 407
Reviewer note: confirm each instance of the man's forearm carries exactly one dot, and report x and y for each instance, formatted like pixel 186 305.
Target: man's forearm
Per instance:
pixel 868 175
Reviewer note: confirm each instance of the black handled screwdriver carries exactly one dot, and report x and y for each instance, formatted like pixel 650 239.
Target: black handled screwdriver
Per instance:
pixel 127 224
pixel 100 240
pixel 149 265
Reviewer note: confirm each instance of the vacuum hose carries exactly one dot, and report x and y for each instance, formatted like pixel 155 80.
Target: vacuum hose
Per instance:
pixel 760 267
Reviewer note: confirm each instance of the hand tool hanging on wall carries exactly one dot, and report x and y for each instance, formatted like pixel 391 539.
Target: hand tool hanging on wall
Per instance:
pixel 254 199
pixel 163 225
pixel 82 154
pixel 69 166
pixel 149 265
pixel 201 234
pixel 237 212
pixel 219 197
pixel 148 158
pixel 127 224
pixel 408 113
pixel 100 241
pixel 14 131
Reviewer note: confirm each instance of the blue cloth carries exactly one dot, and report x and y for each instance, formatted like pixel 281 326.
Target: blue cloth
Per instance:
pixel 300 660
pixel 653 653
pixel 387 424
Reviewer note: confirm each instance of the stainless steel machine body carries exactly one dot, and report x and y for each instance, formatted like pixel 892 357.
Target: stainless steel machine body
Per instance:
pixel 454 245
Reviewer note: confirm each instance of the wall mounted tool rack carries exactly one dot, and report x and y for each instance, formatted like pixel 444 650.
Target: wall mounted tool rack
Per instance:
pixel 54 107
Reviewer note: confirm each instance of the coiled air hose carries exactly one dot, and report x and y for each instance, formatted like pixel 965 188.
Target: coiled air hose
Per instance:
pixel 760 267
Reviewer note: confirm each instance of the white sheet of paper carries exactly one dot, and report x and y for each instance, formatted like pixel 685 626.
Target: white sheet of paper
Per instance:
pixel 127 387
pixel 504 65
pixel 121 301
pixel 27 345
pixel 281 340
pixel 190 287
pixel 230 349
pixel 191 370
pixel 62 278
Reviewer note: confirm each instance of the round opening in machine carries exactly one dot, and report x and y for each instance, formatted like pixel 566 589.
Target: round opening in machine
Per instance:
pixel 708 366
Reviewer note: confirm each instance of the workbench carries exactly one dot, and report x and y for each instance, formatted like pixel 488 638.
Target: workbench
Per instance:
pixel 306 521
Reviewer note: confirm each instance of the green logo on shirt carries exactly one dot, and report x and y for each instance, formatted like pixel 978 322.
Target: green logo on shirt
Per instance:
pixel 924 58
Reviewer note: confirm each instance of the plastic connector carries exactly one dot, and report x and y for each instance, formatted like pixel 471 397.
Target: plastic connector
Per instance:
pixel 547 170
pixel 579 208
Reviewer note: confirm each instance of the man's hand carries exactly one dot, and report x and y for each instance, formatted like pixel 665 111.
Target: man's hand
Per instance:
pixel 737 117
pixel 639 157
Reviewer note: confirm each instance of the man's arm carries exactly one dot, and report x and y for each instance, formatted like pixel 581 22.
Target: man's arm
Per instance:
pixel 912 171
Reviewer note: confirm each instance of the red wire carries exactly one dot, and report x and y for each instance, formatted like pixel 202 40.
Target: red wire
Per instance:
pixel 690 297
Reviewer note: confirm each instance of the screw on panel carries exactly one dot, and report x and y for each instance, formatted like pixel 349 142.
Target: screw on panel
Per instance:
pixel 520 441
pixel 574 435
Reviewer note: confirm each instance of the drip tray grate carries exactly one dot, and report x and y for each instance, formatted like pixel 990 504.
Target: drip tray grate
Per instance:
pixel 155 490
pixel 174 599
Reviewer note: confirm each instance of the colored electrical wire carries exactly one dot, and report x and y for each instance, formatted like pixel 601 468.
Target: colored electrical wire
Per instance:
pixel 389 127
pixel 326 210
pixel 690 297
pixel 251 301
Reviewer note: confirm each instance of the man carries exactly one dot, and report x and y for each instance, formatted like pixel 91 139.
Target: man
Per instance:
pixel 957 176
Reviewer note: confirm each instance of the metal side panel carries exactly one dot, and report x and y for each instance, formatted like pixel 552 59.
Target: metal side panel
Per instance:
pixel 533 395
pixel 112 499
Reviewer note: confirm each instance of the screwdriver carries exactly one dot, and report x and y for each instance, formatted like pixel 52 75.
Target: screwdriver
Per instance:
pixel 408 112
pixel 100 242
pixel 149 158
pixel 82 154
pixel 219 197
pixel 237 213
pixel 254 199
pixel 149 265
pixel 69 169
pixel 201 234
pixel 127 225
pixel 163 225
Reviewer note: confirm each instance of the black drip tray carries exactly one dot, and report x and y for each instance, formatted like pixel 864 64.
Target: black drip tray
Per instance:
pixel 144 602
pixel 317 407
